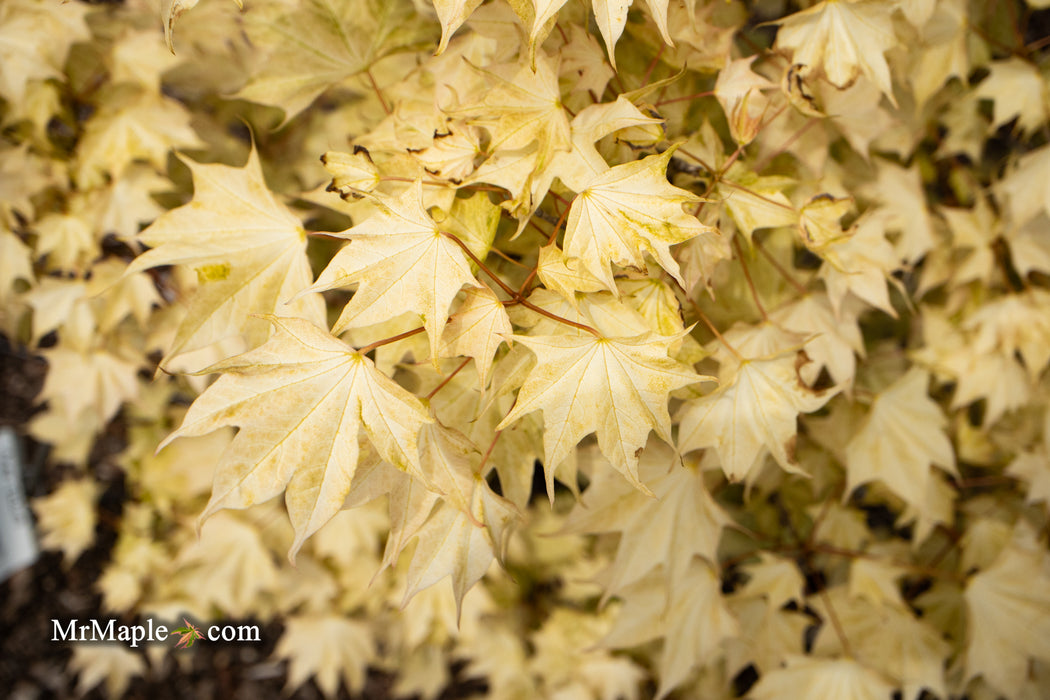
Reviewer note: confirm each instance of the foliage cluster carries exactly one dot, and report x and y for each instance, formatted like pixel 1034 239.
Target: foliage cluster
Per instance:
pixel 761 288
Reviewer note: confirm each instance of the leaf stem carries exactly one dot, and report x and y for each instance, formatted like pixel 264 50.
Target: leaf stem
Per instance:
pixel 379 93
pixel 750 282
pixel 392 339
pixel 836 623
pixel 711 327
pixel 550 239
pixel 652 65
pixel 515 296
pixel 447 379
pixel 779 268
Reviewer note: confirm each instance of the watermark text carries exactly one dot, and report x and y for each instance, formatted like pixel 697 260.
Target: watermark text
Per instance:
pixel 133 635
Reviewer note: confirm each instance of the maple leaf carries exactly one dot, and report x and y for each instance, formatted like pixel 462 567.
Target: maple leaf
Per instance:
pixel 1017 89
pixel 1025 188
pixel 902 435
pixel 752 414
pixel 809 677
pixel 860 264
pixel 844 38
pixel 1009 616
pixel 67 517
pixel 35 38
pixel 611 18
pixel 188 634
pixel 15 263
pixel 324 42
pixel 328 647
pixel 888 637
pixel 615 387
pixel 401 261
pixel 95 663
pixel 131 124
pixel 452 14
pixel 248 249
pixel 171 10
pixel 739 91
pixel 693 619
pixel 628 210
pixel 522 109
pixel 477 329
pixel 682 520
pixel 300 400
pixel 460 545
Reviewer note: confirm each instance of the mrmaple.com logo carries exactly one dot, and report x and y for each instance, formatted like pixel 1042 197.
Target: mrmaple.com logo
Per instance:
pixel 133 635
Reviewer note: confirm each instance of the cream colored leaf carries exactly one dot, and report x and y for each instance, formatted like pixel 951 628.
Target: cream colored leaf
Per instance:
pixel 452 14
pixel 114 665
pixel 564 275
pixel 808 677
pixel 97 380
pixel 1027 187
pixel 887 638
pixel 66 517
pixel 248 249
pixel 1009 617
pixel 768 635
pixel 132 124
pixel 401 262
pixel 611 17
pixel 352 173
pixel 739 91
pixel 318 44
pixel 774 578
pixel 476 330
pixel 899 440
pixel 835 342
pixel 628 210
pixel 615 387
pixel 460 545
pixel 844 38
pixel 229 567
pixel 15 263
pixel 522 108
pixel 753 414
pixel 693 619
pixel 1017 89
pixel 300 400
pixel 860 264
pixel 330 648
pixel 683 520
pixel 35 38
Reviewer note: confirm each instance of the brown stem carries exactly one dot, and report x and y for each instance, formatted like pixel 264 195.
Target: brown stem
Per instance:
pixel 379 93
pixel 786 145
pixel 833 616
pixel 392 339
pixel 652 65
pixel 750 282
pixel 550 239
pixel 779 268
pixel 515 296
pixel 447 379
pixel 711 327
pixel 488 452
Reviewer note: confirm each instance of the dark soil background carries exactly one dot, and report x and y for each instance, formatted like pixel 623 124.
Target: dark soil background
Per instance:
pixel 32 667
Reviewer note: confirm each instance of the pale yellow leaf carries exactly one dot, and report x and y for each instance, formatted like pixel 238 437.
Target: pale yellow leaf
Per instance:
pixel 300 400
pixel 248 249
pixel 615 387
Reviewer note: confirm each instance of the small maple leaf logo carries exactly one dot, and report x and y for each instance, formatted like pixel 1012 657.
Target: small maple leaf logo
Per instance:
pixel 190 634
